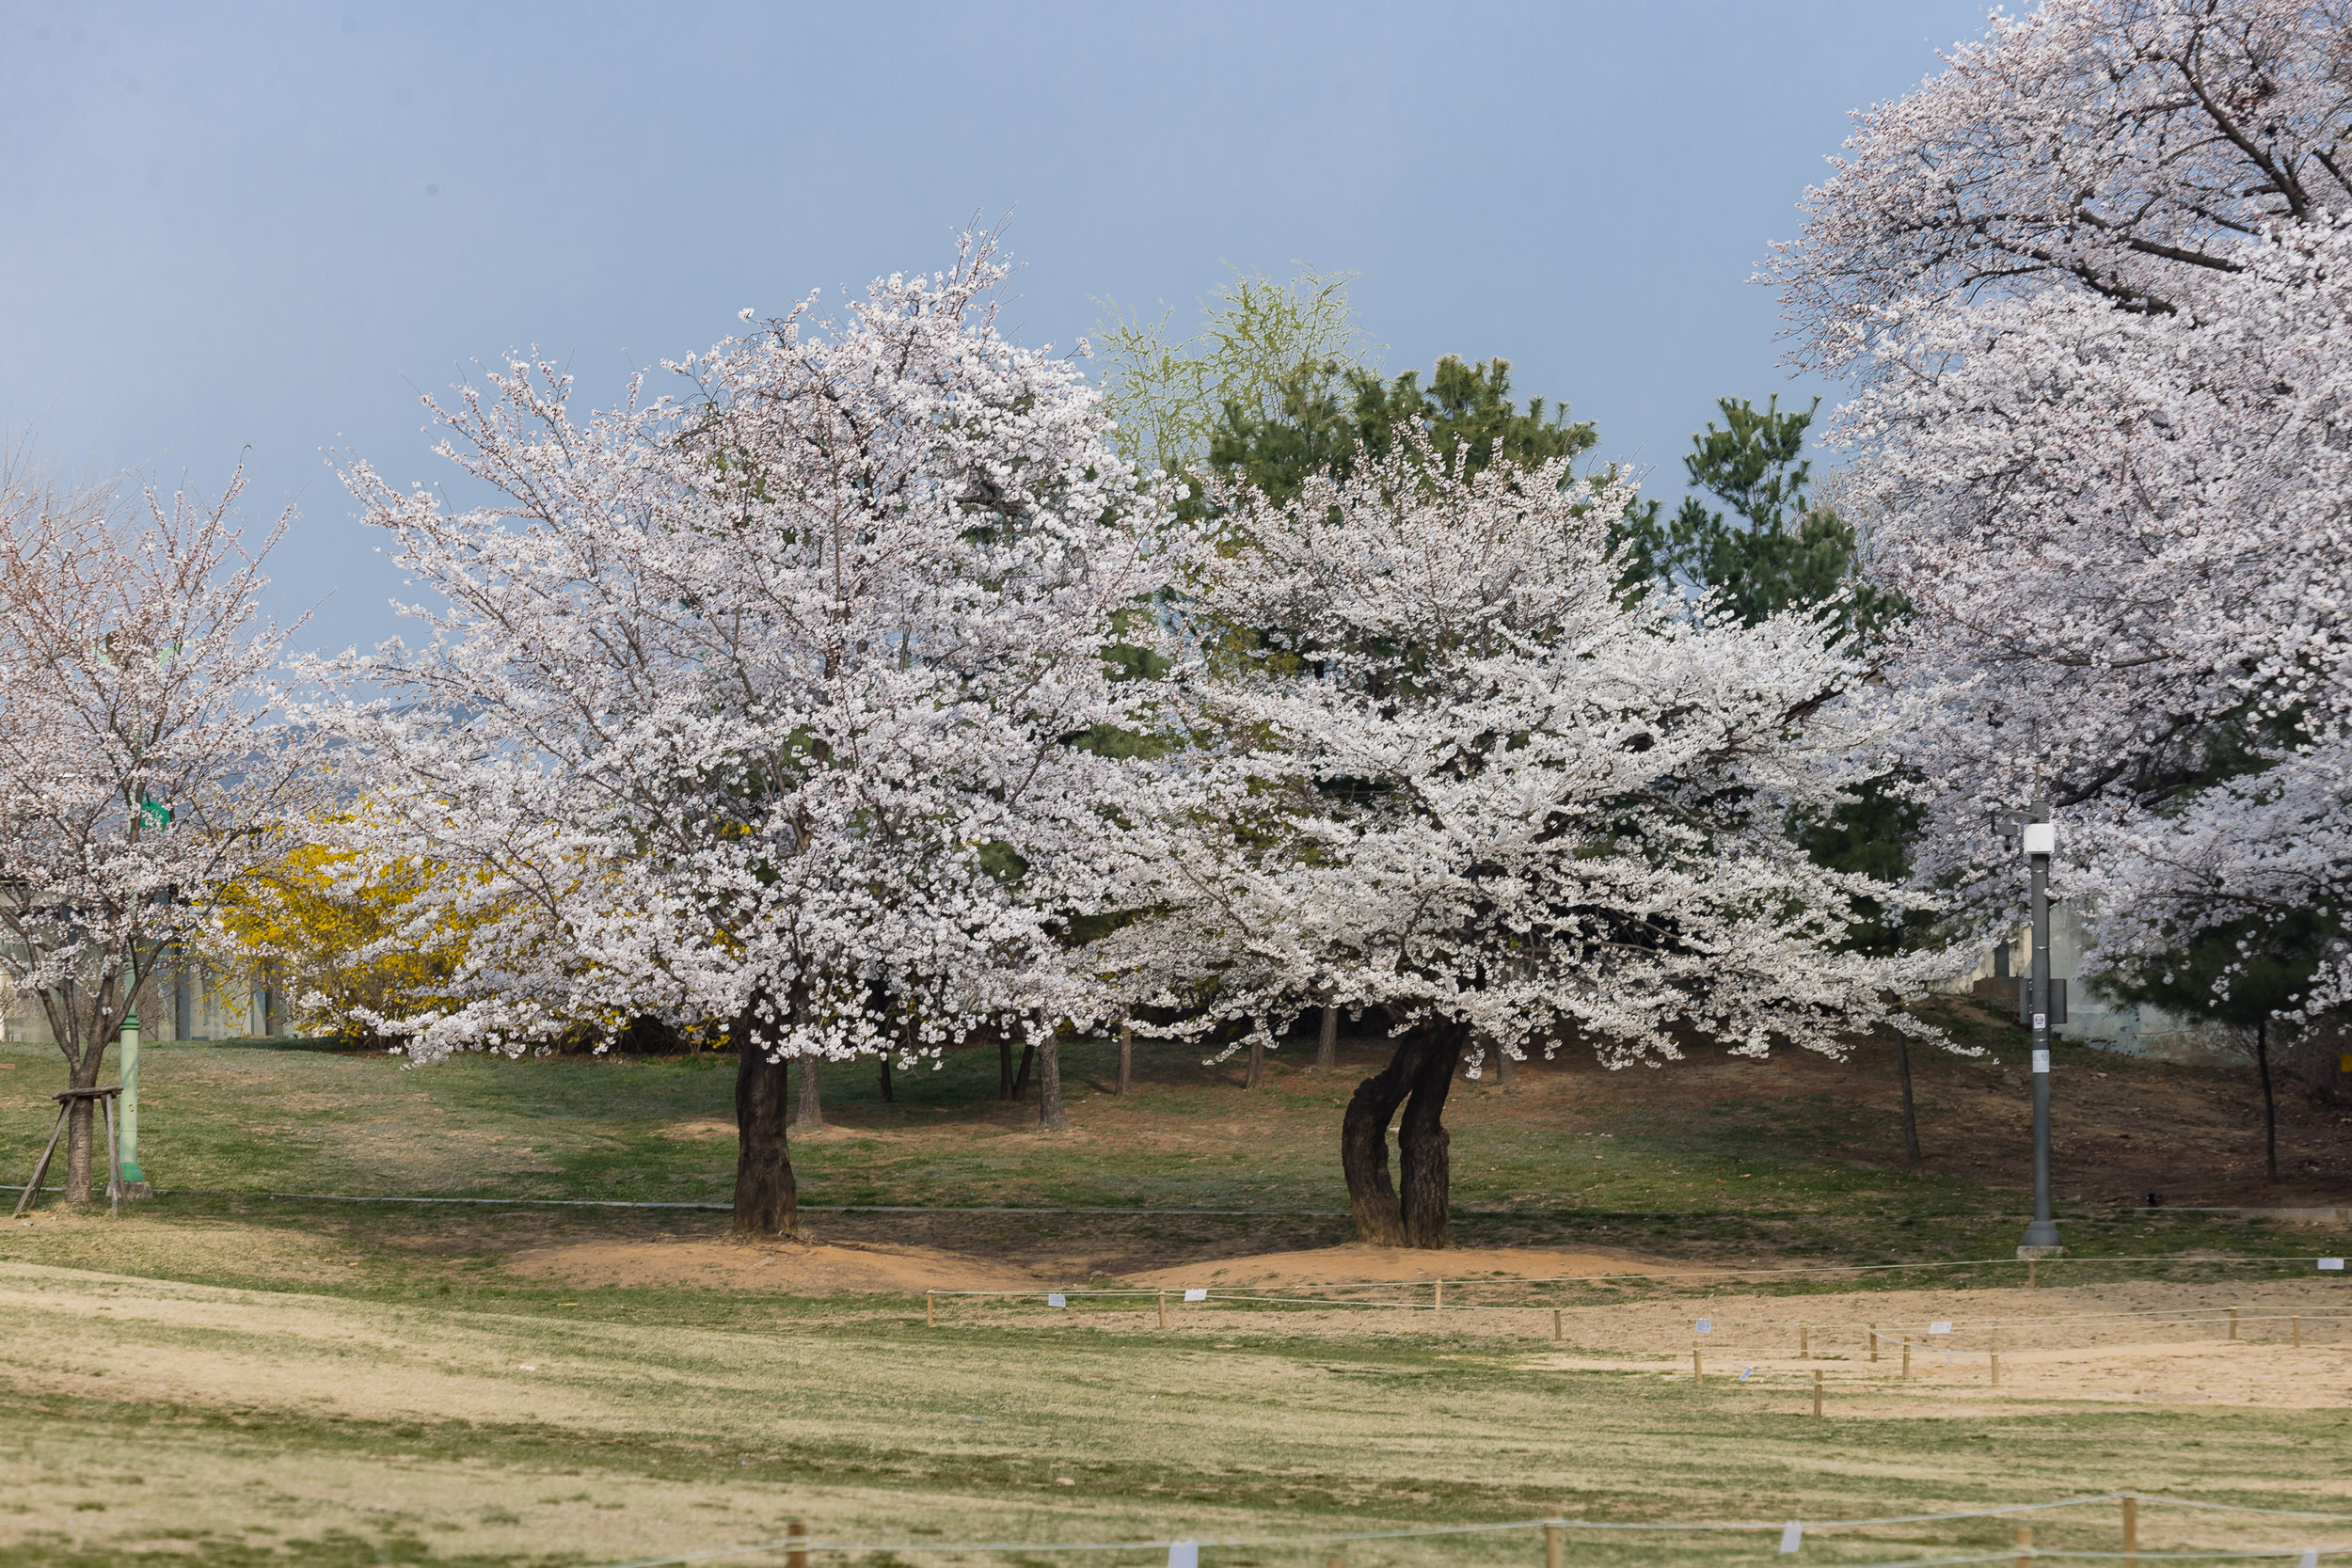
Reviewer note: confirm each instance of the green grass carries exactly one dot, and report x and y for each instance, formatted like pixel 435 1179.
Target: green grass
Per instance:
pixel 346 1383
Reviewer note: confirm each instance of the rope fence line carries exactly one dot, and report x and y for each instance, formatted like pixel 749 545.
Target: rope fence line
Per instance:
pixel 1791 1533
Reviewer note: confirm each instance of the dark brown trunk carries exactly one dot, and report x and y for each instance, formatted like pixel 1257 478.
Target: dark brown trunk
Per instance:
pixel 1365 1145
pixel 1021 1078
pixel 2270 1104
pixel 1910 1111
pixel 1255 1076
pixel 885 1077
pixel 1423 1162
pixel 1004 1064
pixel 1506 1069
pixel 1328 1043
pixel 1126 1059
pixel 1049 1112
pixel 809 1115
pixel 766 1199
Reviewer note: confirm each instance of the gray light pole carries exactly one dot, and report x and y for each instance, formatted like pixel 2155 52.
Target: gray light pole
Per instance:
pixel 2041 836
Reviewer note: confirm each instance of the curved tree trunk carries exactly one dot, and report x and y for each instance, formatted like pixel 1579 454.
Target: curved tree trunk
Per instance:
pixel 1420 1071
pixel 1422 1143
pixel 766 1197
pixel 1255 1076
pixel 1365 1145
pixel 1328 1043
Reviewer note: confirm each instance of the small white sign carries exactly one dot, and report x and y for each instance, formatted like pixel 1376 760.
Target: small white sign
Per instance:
pixel 2041 1059
pixel 1939 1328
pixel 1199 1294
pixel 2331 1263
pixel 1057 1299
pixel 1183 1554
pixel 1791 1536
pixel 1707 1325
pixel 2042 838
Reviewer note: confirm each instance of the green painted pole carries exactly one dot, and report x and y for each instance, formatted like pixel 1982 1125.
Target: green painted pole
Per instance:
pixel 132 1176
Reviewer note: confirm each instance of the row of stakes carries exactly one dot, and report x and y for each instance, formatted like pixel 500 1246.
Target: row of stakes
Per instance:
pixel 1556 1544
pixel 1698 1370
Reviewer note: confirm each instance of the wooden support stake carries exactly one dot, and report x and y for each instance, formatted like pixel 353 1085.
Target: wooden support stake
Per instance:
pixel 1698 1375
pixel 1816 1390
pixel 1556 1323
pixel 1555 1546
pixel 1805 1343
pixel 1996 1368
pixel 1873 1330
pixel 1163 1309
pixel 40 1167
pixel 796 1544
pixel 2031 1264
pixel 930 1309
pixel 2025 1546
pixel 2131 1529
pixel 1437 1299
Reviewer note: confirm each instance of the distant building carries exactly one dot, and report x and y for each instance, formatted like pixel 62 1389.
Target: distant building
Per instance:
pixel 186 1002
pixel 2129 1029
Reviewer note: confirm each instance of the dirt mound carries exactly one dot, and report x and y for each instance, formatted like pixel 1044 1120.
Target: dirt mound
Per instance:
pixel 1356 1263
pixel 793 1267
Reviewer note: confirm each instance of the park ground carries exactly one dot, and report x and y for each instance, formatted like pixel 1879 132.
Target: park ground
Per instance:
pixel 223 1376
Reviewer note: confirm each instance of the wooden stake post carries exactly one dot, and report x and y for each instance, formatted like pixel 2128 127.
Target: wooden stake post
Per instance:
pixel 1816 1390
pixel 1163 1309
pixel 796 1544
pixel 1555 1325
pixel 1804 1343
pixel 1555 1546
pixel 2131 1529
pixel 1873 1331
pixel 104 1095
pixel 930 1309
pixel 2025 1546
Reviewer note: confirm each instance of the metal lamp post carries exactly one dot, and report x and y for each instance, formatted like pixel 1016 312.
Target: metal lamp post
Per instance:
pixel 2040 842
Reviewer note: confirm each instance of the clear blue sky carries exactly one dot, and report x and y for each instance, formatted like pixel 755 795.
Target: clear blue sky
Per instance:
pixel 265 229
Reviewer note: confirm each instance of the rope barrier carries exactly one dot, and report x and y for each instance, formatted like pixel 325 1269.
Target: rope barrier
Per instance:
pixel 1784 1527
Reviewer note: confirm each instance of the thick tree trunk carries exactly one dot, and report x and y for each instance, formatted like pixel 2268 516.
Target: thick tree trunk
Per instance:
pixel 1911 1112
pixel 1424 1162
pixel 885 1078
pixel 1419 1076
pixel 2270 1104
pixel 1004 1064
pixel 809 1115
pixel 1126 1059
pixel 1365 1145
pixel 1021 1078
pixel 1050 1116
pixel 1328 1043
pixel 766 1197
pixel 1255 1076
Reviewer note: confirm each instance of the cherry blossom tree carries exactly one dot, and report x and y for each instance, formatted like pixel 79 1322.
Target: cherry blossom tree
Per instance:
pixel 1455 770
pixel 769 700
pixel 140 751
pixel 2092 279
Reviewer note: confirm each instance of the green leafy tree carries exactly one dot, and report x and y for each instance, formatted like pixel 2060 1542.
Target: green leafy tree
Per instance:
pixel 1769 545
pixel 2243 973
pixel 1325 413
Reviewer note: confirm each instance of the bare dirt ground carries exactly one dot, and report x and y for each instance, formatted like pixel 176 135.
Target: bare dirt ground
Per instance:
pixel 799 1269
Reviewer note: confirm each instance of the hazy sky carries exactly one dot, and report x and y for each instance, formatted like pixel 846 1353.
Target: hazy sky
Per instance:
pixel 264 229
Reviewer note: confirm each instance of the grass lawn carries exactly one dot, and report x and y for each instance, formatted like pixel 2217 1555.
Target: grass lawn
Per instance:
pixel 222 1377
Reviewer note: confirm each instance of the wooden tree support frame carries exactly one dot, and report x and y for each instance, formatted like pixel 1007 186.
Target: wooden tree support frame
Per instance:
pixel 104 1095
